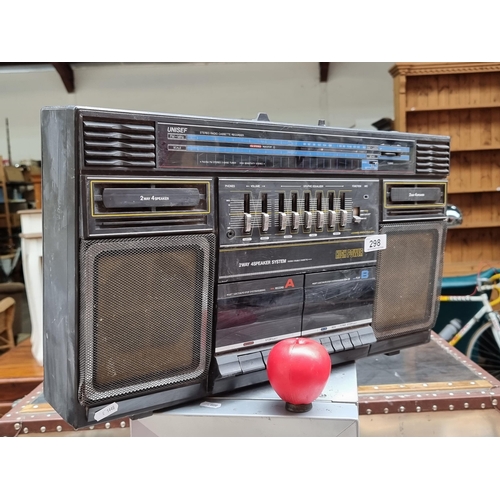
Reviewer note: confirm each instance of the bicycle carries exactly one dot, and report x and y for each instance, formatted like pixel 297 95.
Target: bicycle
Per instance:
pixel 484 345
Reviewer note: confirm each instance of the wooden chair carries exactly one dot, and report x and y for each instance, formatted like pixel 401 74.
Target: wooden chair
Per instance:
pixel 7 310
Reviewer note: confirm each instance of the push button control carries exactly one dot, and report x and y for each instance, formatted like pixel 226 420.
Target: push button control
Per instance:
pixel 336 344
pixel 356 341
pixel 346 341
pixel 251 362
pixel 327 344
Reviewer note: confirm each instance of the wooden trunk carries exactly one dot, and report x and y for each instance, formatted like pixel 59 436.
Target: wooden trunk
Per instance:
pixel 461 100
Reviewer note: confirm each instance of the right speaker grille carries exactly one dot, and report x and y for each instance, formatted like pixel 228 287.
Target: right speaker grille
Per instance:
pixel 408 281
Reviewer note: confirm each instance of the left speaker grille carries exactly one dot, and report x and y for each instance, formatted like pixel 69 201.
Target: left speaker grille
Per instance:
pixel 145 314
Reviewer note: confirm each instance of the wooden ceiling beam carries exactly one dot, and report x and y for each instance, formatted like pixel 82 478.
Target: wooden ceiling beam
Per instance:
pixel 323 71
pixel 67 76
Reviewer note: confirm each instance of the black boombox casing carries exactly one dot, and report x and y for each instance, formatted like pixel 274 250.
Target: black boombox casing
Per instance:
pixel 178 250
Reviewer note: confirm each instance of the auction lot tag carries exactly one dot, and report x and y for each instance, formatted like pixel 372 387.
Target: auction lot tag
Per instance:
pixel 106 412
pixel 374 243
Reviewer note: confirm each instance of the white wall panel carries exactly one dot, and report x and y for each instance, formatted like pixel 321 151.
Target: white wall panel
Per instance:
pixel 288 92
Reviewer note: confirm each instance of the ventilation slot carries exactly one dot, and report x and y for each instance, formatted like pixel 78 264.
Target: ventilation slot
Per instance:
pixel 119 144
pixel 433 158
pixel 423 212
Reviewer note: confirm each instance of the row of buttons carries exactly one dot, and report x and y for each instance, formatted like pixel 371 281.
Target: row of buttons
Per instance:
pixel 345 341
pixel 232 364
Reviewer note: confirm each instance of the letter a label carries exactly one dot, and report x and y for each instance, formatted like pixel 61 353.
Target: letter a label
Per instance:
pixel 290 283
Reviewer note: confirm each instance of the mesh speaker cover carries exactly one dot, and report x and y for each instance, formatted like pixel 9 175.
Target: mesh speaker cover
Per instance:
pixel 145 314
pixel 408 278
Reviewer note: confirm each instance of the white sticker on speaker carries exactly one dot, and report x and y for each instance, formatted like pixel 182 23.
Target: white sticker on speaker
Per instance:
pixel 106 412
pixel 374 243
pixel 207 404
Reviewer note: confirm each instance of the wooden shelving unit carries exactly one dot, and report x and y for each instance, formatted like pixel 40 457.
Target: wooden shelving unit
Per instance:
pixel 15 179
pixel 461 100
pixel 5 219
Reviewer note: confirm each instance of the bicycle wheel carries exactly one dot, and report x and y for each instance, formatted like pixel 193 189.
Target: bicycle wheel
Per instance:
pixel 484 350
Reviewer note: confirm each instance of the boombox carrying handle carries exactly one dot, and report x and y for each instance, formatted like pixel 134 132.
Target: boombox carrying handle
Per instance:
pixel 262 117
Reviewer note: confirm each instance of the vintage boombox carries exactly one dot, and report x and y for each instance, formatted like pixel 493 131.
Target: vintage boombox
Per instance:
pixel 178 250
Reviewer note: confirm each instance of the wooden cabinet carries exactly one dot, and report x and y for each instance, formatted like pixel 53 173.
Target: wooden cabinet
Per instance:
pixel 461 100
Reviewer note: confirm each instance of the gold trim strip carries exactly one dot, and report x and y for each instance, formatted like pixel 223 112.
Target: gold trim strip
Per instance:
pixel 459 385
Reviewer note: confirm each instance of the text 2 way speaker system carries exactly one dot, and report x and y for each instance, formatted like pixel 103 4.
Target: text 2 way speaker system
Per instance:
pixel 179 250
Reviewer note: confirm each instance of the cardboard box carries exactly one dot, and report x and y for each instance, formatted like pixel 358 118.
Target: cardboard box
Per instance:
pixel 13 174
pixel 35 170
pixel 31 172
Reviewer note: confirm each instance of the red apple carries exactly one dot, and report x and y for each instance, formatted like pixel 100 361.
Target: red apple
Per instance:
pixel 298 370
